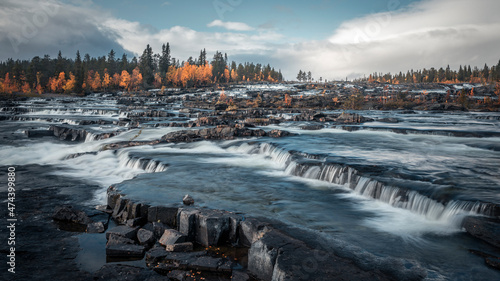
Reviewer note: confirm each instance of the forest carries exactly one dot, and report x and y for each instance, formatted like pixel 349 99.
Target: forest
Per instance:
pixel 109 73
pixel 465 74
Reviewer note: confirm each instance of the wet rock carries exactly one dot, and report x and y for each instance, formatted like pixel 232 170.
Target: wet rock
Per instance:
pixel 71 215
pixel 171 237
pixel 113 196
pixel 163 214
pixel 125 250
pixel 145 237
pixel 312 127
pixel 179 275
pixel 486 229
pixel 352 118
pixel 69 134
pixel 119 207
pixel 38 133
pixel 115 239
pixel 212 227
pixel 493 262
pixel 157 228
pixel 187 222
pixel 180 247
pixel 389 120
pixel 188 200
pixel 118 272
pixel 251 230
pixel 96 227
pixel 278 133
pixel 124 231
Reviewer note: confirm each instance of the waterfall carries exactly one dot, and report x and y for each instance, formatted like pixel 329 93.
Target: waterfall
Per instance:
pixel 148 165
pixel 452 211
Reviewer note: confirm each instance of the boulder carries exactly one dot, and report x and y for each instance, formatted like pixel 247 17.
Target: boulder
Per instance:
pixel 96 227
pixel 171 237
pixel 180 247
pixel 145 237
pixel 212 227
pixel 115 239
pixel 69 214
pixel 188 200
pixel 251 230
pixel 187 222
pixel 125 250
pixel 278 133
pixel 166 215
pixel 157 228
pixel 123 231
pixel 312 127
pixel 486 229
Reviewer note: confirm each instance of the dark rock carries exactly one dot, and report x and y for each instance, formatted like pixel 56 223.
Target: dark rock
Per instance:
pixel 120 205
pixel 96 227
pixel 187 222
pixel 38 133
pixel 180 247
pixel 171 237
pixel 113 196
pixel 493 262
pixel 166 215
pixel 278 133
pixel 188 200
pixel 118 272
pixel 104 209
pixel 125 250
pixel 155 255
pixel 251 230
pixel 352 118
pixel 124 231
pixel 68 214
pixel 69 134
pixel 179 275
pixel 212 227
pixel 157 228
pixel 136 222
pixel 486 229
pixel 312 127
pixel 115 239
pixel 145 237
pixel 389 120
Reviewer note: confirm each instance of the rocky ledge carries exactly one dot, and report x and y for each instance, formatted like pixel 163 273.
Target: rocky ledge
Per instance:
pixel 181 242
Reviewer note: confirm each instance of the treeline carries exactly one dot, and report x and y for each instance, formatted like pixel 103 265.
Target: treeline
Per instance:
pixel 465 74
pixel 106 73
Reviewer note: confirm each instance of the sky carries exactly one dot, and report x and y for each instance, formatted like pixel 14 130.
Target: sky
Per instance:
pixel 334 39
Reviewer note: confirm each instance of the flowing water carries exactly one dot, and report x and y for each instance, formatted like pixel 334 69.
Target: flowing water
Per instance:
pixel 392 189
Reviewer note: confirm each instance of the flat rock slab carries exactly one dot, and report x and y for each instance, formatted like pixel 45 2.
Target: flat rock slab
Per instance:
pixel 96 227
pixel 180 247
pixel 125 250
pixel 69 214
pixel 124 231
pixel 486 229
pixel 145 237
pixel 115 239
pixel 163 214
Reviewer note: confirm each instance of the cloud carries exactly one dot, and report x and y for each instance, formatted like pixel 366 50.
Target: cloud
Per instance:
pixel 423 35
pixel 166 3
pixel 236 26
pixel 34 28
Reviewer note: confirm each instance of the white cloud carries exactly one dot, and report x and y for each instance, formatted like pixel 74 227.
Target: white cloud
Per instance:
pixel 425 34
pixel 229 25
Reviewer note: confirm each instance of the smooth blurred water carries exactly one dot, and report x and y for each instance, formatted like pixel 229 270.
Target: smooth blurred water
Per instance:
pixel 261 177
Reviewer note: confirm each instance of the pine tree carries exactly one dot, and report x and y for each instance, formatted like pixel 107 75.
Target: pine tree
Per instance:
pixel 146 66
pixel 78 70
pixel 164 63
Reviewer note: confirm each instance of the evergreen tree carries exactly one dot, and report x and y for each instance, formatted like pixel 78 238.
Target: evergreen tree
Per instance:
pixel 79 75
pixel 124 64
pixel 59 64
pixel 111 65
pixel 164 63
pixel 218 66
pixel 146 66
pixel 299 76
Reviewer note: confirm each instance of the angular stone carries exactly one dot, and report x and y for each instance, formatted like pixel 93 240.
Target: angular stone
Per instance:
pixel 180 247
pixel 188 200
pixel 171 237
pixel 113 196
pixel 145 237
pixel 119 240
pixel 263 253
pixel 68 214
pixel 155 255
pixel 119 206
pixel 486 229
pixel 135 222
pixel 212 227
pixel 187 222
pixel 166 215
pixel 179 275
pixel 96 227
pixel 125 250
pixel 157 228
pixel 124 231
pixel 251 230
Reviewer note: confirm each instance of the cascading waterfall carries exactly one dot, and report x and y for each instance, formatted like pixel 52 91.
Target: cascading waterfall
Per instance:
pixel 452 211
pixel 148 165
